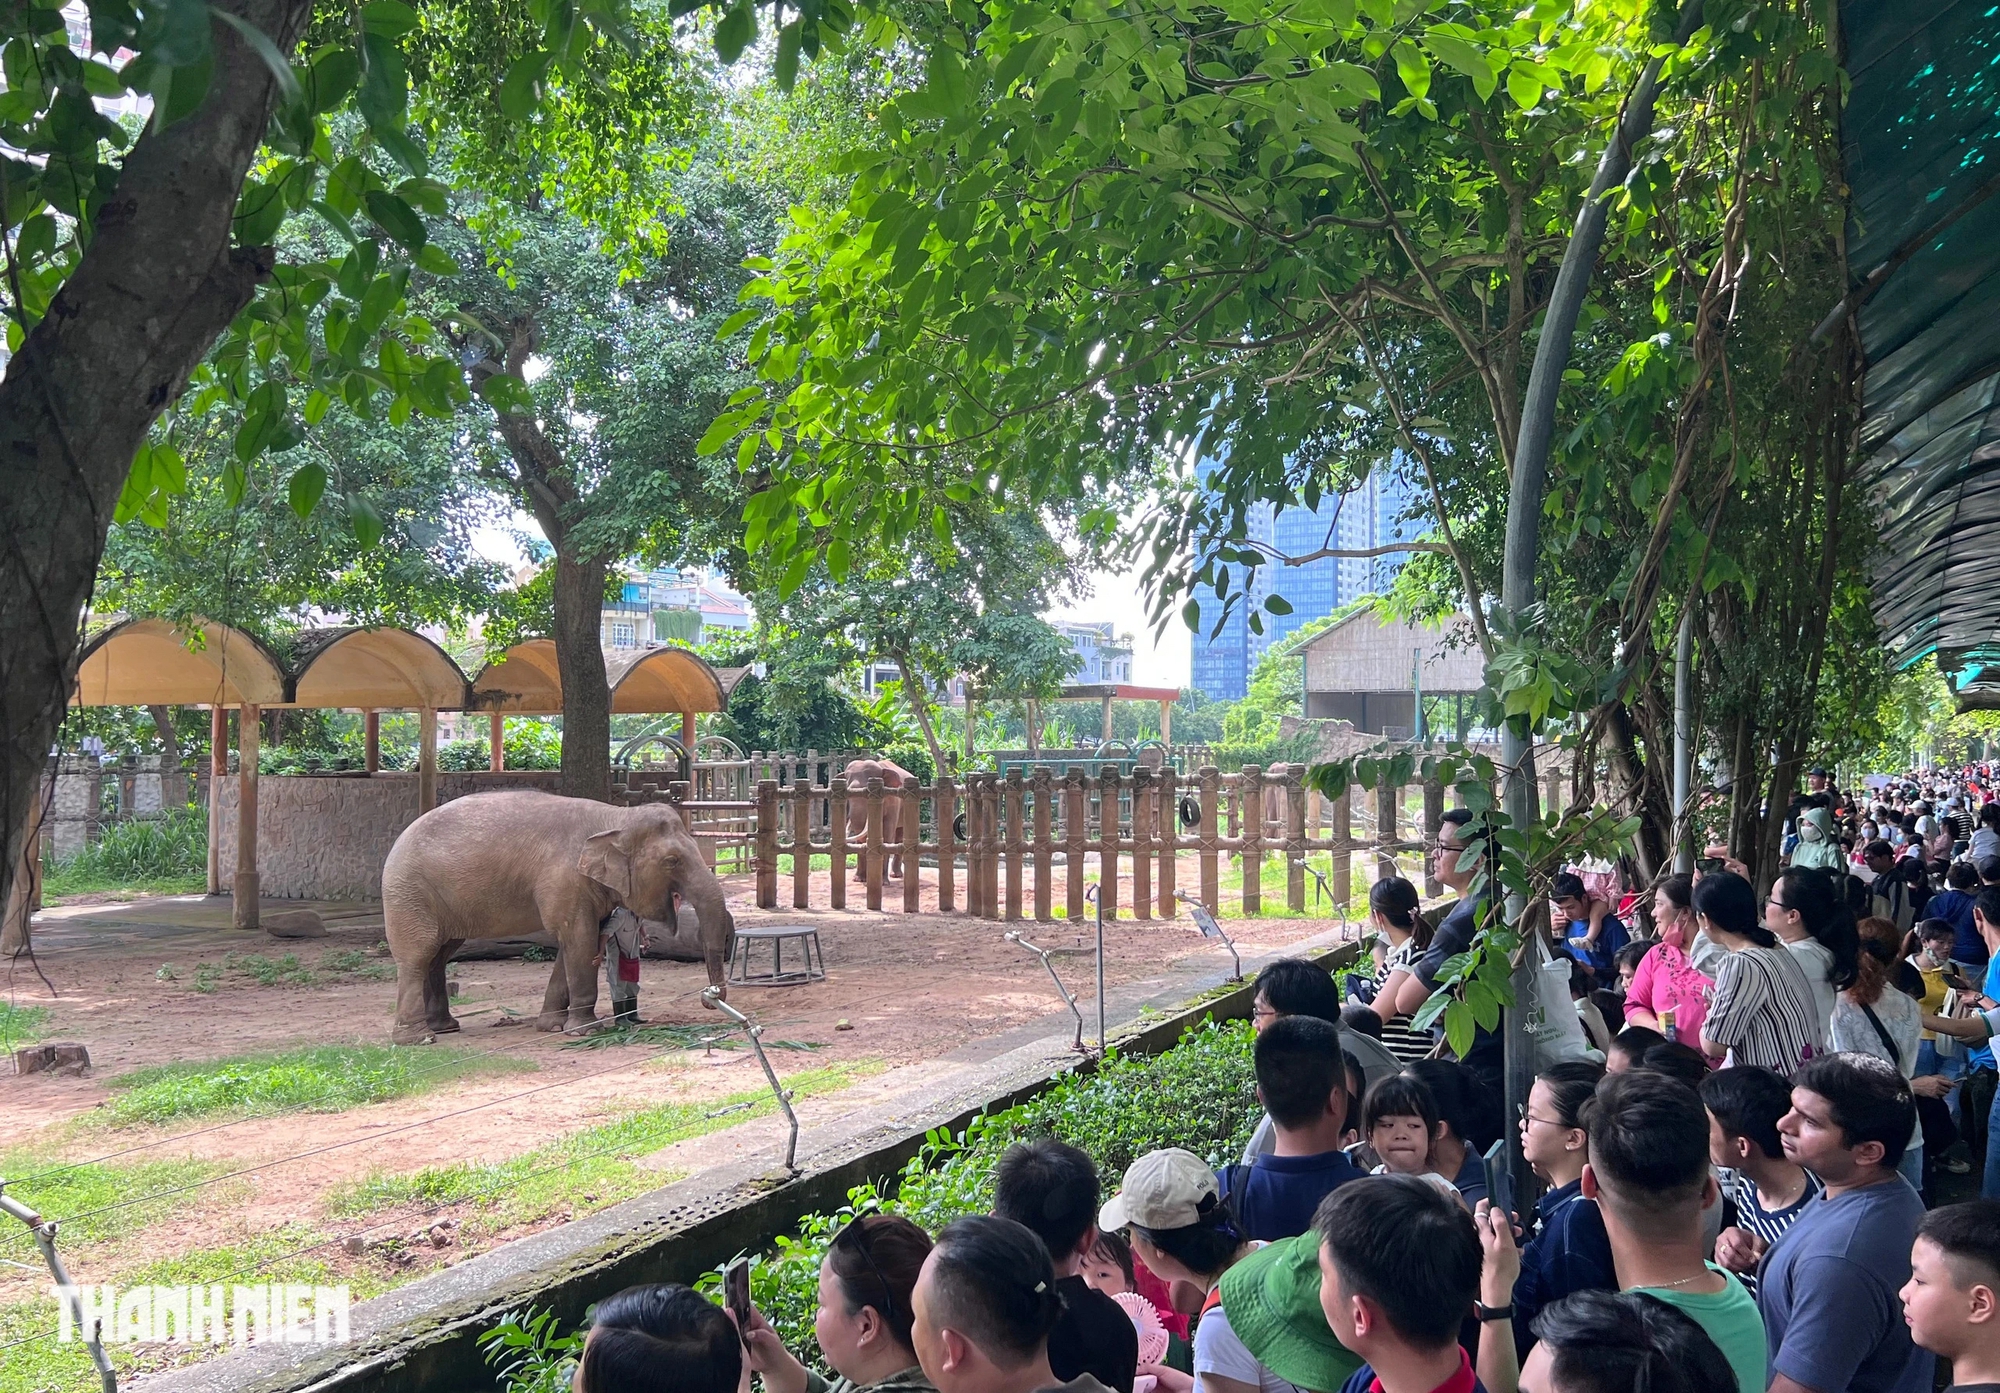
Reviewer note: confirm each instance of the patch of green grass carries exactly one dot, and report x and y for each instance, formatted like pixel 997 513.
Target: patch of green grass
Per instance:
pixel 76 1194
pixel 21 1025
pixel 44 1365
pixel 287 971
pixel 586 1169
pixel 325 1078
pixel 206 975
pixel 355 963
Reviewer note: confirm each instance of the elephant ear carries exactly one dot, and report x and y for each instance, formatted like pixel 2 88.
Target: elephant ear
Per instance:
pixel 605 861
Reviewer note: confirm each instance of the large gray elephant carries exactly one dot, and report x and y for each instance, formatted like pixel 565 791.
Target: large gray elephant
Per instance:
pixel 504 865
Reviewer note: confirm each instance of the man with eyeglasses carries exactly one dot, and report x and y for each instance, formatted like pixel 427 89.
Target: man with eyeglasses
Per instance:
pixel 1456 863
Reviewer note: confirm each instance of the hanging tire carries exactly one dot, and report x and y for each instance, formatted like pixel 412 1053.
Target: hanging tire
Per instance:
pixel 1190 812
pixel 958 827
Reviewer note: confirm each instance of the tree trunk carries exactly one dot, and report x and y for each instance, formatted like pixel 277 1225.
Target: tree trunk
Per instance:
pixel 586 746
pixel 914 693
pixel 158 282
pixel 173 777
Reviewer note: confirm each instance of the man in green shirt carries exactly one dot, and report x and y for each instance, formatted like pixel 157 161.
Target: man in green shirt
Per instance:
pixel 1648 1172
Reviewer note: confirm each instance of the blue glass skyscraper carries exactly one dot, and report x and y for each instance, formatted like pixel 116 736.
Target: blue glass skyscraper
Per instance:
pixel 1373 515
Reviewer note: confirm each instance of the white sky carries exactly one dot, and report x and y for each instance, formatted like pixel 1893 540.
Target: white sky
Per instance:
pixel 1117 597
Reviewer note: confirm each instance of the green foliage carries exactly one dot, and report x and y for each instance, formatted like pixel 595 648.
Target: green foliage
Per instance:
pixel 168 850
pixel 530 744
pixel 530 1353
pixel 324 1078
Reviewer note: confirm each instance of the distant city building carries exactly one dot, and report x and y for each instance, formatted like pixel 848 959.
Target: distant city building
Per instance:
pixel 1105 655
pixel 654 607
pixel 1376 514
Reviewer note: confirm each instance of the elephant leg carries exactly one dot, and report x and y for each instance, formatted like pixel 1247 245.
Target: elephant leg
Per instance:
pixel 577 961
pixel 437 996
pixel 413 938
pixel 555 1001
pixel 412 1027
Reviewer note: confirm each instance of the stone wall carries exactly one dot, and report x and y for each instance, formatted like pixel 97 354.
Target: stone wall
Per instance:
pixel 89 795
pixel 325 836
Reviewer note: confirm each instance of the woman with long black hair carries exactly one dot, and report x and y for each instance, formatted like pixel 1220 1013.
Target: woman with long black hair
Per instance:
pixel 1810 917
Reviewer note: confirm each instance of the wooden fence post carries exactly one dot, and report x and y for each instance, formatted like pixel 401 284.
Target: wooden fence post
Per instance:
pixel 836 826
pixel 767 844
pixel 975 847
pixel 872 860
pixel 802 851
pixel 911 801
pixel 944 812
pixel 1107 840
pixel 989 822
pixel 1211 797
pixel 1013 843
pixel 1075 797
pixel 1168 827
pixel 1041 785
pixel 1386 798
pixel 1433 823
pixel 1142 843
pixel 1295 837
pixel 1250 794
pixel 1343 847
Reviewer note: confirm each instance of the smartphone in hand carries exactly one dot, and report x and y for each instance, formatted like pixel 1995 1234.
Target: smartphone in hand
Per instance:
pixel 1499 1179
pixel 736 1294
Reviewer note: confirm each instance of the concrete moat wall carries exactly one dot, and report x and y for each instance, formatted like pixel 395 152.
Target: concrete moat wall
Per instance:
pixel 325 836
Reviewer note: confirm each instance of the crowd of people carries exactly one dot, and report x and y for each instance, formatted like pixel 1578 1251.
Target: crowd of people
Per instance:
pixel 1732 1176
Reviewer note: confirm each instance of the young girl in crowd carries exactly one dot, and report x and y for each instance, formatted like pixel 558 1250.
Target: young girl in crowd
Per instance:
pixel 1400 1120
pixel 1109 1267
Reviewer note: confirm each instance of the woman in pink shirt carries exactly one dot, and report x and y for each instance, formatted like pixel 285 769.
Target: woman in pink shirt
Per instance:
pixel 1666 980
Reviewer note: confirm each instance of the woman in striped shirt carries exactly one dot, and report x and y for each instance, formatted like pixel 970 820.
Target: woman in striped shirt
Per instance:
pixel 1761 1012
pixel 1392 909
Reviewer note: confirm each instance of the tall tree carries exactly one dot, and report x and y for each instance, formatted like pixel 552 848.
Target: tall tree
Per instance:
pixel 626 371
pixel 127 261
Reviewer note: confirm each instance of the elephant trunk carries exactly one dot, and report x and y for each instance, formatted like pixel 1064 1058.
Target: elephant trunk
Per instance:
pixel 703 894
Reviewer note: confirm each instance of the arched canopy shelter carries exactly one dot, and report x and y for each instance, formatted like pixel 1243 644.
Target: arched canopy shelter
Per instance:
pixel 143 662
pixel 375 669
pixel 146 662
pixel 525 680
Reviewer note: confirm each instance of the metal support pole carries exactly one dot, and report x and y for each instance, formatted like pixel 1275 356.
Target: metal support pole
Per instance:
pixel 1683 742
pixel 1045 954
pixel 44 1233
pixel 712 996
pixel 1097 901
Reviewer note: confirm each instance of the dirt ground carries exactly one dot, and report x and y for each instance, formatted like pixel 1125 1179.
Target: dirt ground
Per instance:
pixel 910 990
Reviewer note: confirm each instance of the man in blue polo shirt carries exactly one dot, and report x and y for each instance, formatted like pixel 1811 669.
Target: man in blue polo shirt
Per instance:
pixel 1302 1083
pixel 1828 1288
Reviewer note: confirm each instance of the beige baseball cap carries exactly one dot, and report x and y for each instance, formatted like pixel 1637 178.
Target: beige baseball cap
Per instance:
pixel 1162 1190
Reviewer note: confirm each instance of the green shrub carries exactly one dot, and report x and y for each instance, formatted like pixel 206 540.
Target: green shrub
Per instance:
pixel 171 848
pixel 530 745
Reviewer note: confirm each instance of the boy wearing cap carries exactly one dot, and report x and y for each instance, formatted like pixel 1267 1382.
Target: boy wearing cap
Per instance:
pixel 1399 1270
